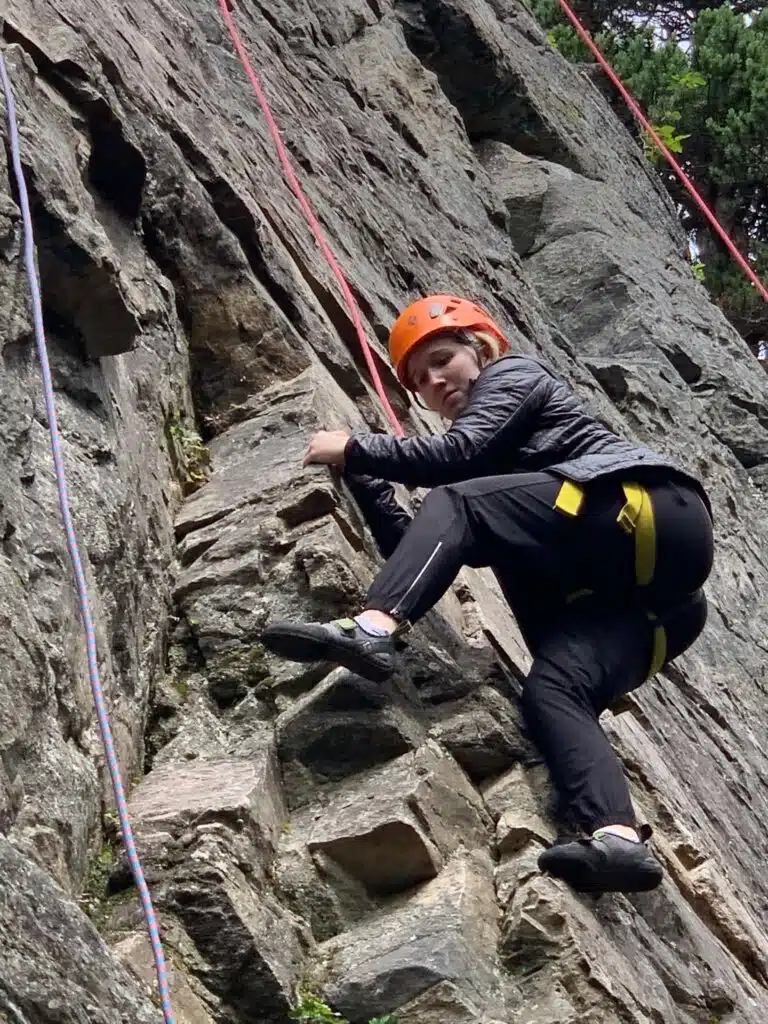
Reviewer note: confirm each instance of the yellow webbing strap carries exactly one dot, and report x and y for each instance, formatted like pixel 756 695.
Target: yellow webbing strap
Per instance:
pixel 637 517
pixel 659 654
pixel 569 498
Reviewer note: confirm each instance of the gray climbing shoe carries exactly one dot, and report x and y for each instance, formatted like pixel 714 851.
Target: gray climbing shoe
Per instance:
pixel 604 863
pixel 342 642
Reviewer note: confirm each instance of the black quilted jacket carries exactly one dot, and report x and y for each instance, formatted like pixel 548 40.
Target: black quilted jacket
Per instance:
pixel 521 418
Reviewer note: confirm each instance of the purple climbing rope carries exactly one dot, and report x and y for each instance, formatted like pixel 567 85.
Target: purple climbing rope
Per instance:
pixel 72 545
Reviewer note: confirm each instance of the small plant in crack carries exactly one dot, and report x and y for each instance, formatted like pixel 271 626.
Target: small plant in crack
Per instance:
pixel 190 455
pixel 95 889
pixel 312 1010
pixel 699 271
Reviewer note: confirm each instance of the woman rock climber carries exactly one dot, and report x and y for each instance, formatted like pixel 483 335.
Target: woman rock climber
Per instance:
pixel 600 547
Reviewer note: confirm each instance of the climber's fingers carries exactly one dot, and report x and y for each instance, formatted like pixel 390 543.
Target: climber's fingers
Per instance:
pixel 327 447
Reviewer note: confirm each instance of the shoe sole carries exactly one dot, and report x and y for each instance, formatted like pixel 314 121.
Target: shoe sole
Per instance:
pixel 616 880
pixel 292 644
pixel 639 883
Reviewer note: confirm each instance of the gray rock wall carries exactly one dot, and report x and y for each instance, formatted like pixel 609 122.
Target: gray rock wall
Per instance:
pixel 299 827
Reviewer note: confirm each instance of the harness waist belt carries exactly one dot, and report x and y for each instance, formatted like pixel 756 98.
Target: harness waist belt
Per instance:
pixel 635 517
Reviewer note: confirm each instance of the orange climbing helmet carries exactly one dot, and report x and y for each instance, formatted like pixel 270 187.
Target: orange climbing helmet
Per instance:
pixel 436 314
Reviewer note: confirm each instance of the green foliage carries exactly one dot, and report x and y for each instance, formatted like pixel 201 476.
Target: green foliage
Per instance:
pixel 196 455
pixel 181 686
pixel 736 295
pixel 190 455
pixel 311 1010
pixel 698 270
pixel 560 34
pixel 94 891
pixel 670 17
pixel 670 138
pixel 708 101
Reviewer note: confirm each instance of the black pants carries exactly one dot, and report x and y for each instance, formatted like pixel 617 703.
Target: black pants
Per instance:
pixel 586 652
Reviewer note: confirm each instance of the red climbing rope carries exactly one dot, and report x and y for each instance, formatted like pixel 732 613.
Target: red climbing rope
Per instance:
pixel 225 6
pixel 635 108
pixel 314 223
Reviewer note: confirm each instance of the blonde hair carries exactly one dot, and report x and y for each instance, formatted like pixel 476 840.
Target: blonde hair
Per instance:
pixel 486 345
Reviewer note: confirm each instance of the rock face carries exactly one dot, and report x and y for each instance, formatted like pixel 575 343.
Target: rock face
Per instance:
pixel 300 826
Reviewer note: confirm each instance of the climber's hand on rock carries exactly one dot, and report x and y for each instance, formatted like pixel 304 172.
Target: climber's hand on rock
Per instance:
pixel 327 448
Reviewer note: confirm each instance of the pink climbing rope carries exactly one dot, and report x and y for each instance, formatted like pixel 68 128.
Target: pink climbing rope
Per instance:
pixel 74 552
pixel 309 214
pixel 636 110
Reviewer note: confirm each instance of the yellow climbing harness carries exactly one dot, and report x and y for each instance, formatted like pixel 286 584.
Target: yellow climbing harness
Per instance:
pixel 635 517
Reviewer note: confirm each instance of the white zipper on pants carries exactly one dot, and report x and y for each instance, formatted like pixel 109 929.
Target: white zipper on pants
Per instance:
pixel 423 569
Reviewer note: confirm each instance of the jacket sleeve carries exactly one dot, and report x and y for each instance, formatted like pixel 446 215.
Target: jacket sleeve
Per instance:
pixel 386 519
pixel 504 406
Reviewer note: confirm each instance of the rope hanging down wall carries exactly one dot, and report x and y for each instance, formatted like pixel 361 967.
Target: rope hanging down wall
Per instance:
pixel 74 551
pixel 309 214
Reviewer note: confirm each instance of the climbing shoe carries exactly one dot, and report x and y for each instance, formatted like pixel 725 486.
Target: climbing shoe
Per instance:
pixel 603 863
pixel 343 642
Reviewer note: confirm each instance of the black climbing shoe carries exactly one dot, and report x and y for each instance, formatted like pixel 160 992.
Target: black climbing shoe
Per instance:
pixel 342 642
pixel 603 863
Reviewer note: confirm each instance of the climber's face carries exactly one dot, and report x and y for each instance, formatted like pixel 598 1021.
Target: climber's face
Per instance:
pixel 442 370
